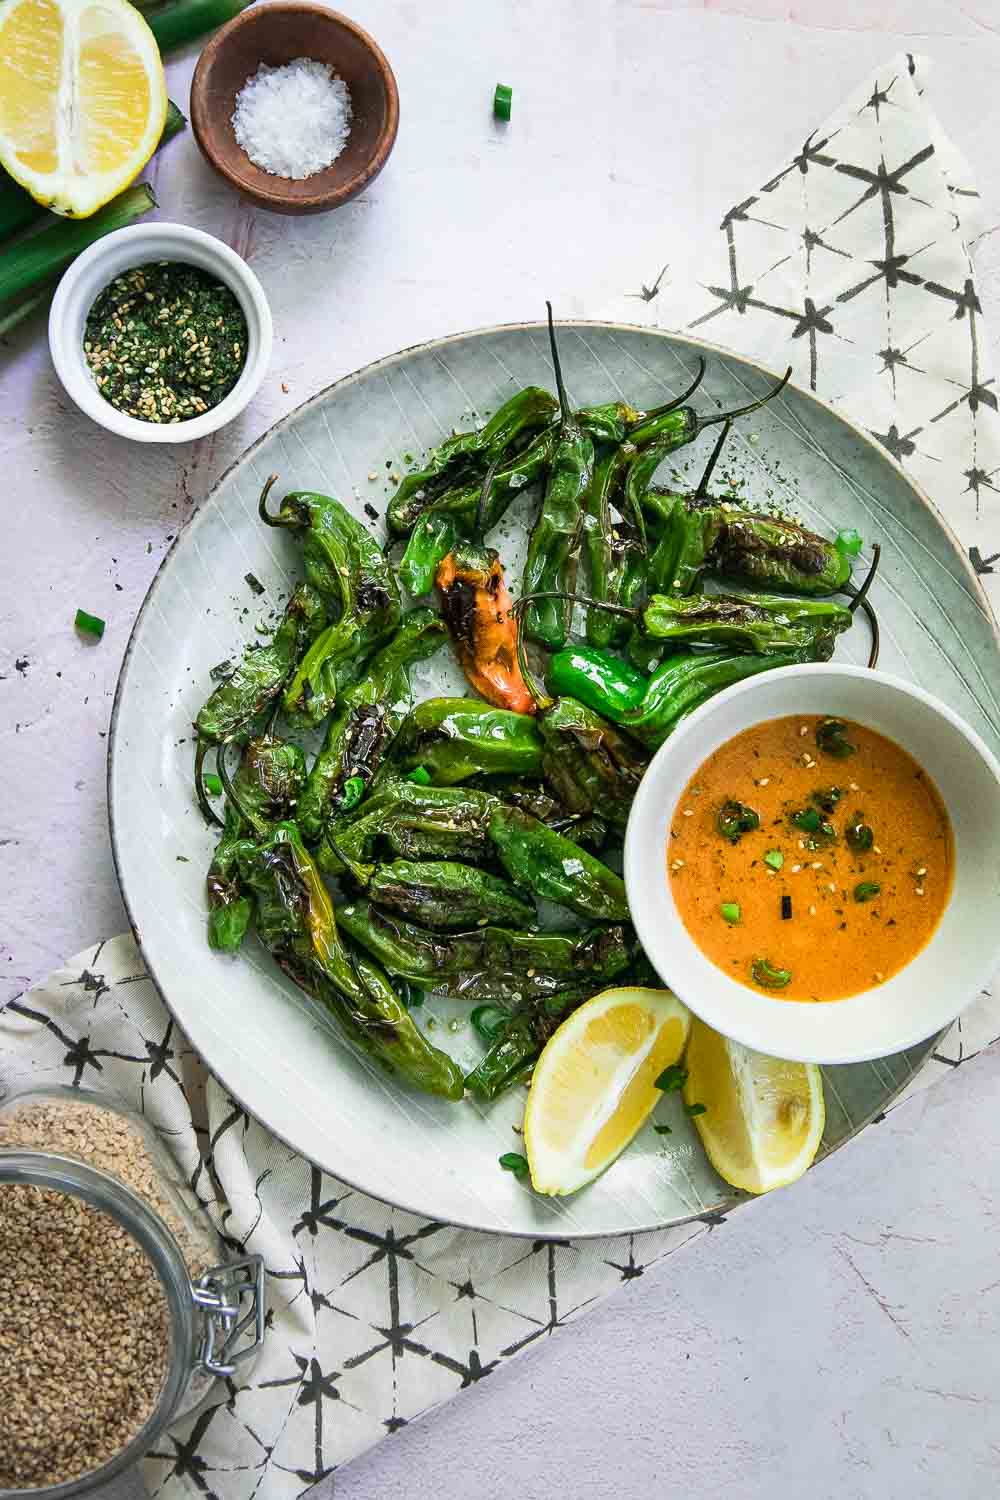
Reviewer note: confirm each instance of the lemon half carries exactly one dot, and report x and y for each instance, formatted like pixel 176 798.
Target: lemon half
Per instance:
pixel 763 1119
pixel 595 1083
pixel 82 99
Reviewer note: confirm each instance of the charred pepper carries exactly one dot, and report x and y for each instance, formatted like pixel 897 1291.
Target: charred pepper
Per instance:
pixel 550 866
pixel 448 897
pixel 365 720
pixel 456 738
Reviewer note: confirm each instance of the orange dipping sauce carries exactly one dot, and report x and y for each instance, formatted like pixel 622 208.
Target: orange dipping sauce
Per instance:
pixel 842 882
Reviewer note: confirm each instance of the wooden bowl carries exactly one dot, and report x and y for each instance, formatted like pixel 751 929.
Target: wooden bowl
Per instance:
pixel 277 34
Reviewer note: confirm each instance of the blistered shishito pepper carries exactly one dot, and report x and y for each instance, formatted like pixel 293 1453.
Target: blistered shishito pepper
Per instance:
pixel 477 606
pixel 464 458
pixel 448 897
pixel 773 552
pixel 488 963
pixel 361 580
pixel 258 678
pixel 550 562
pixel 518 1039
pixel 295 920
pixel 762 623
pixel 548 865
pixel 683 682
pixel 608 544
pixel 416 822
pixel 602 681
pixel 457 738
pixel 267 782
pixel 365 720
pixel 591 766
pixel 453 516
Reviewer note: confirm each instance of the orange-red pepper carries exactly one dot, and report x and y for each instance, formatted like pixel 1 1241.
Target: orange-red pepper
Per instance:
pixel 477 606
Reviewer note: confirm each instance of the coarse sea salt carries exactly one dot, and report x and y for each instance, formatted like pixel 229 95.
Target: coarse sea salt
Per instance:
pixel 294 120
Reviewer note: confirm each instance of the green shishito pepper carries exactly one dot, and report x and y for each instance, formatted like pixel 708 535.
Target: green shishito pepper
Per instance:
pixel 456 738
pixel 453 515
pixel 550 866
pixel 683 682
pixel 416 822
pixel 602 681
pixel 762 623
pixel 488 963
pixel 550 561
pixel 367 716
pixel 296 922
pixel 518 1041
pixel 726 541
pixel 592 767
pixel 464 459
pixel 448 897
pixel 269 778
pixel 342 560
pixel 261 673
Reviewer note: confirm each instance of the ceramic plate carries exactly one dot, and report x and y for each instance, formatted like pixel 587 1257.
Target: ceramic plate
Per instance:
pixel 272 1049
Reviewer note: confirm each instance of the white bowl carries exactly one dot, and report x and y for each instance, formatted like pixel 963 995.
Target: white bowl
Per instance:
pixel 945 976
pixel 136 246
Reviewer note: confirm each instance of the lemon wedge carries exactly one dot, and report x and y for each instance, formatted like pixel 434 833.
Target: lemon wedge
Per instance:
pixel 82 99
pixel 595 1083
pixel 763 1118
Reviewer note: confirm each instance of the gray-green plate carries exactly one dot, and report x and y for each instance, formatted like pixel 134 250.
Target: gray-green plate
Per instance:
pixel 273 1050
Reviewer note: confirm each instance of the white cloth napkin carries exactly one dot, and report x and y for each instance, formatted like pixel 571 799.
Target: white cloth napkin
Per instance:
pixel 853 265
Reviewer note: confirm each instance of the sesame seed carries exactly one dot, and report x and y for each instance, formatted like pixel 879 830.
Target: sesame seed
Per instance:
pixel 922 870
pixel 372 477
pixel 854 786
pixel 812 911
pixel 876 849
pixel 817 864
pixel 688 812
pixel 879 975
pixel 764 781
pixel 831 887
pixel 920 890
pixel 796 869
pixel 803 730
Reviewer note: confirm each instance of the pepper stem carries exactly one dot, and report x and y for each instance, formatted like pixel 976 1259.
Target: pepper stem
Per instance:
pixel 702 489
pixel 262 509
pixel 557 366
pixel 661 411
pixel 208 810
pixel 743 411
pixel 230 790
pixel 484 495
pixel 860 597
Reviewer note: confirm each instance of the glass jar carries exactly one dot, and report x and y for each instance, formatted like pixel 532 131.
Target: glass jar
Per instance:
pixel 97 1150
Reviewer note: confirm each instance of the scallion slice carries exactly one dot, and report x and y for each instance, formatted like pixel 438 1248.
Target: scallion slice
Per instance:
pixel 501 101
pixel 89 624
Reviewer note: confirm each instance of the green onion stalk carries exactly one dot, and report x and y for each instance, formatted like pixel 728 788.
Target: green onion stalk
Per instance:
pixel 29 271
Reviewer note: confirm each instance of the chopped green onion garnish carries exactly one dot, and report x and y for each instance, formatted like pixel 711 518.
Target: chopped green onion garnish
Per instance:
pixel 867 890
pixel 849 542
pixel 663 1130
pixel 672 1078
pixel 89 624
pixel 735 819
pixel 730 911
pixel 489 1021
pixel 764 973
pixel 786 908
pixel 513 1161
pixel 352 793
pixel 213 784
pixel 695 1109
pixel 860 836
pixel 501 101
pixel 830 738
pixel 420 775
pixel 808 819
pixel 827 797
pixel 774 858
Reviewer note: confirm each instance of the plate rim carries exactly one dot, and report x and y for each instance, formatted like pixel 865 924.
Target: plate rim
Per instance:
pixel 727 1202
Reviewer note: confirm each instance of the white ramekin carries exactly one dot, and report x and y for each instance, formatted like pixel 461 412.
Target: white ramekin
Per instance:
pixel 945 976
pixel 135 246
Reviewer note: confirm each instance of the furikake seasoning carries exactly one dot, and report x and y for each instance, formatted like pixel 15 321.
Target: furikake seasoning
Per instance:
pixel 165 341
